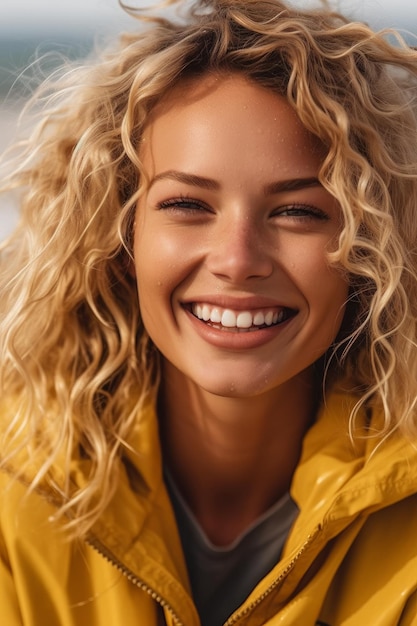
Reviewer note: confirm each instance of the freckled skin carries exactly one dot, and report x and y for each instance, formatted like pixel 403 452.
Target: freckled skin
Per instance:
pixel 235 244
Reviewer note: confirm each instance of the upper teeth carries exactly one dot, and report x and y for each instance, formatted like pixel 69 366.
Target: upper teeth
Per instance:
pixel 237 319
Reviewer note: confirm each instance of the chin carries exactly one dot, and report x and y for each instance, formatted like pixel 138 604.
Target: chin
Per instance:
pixel 236 388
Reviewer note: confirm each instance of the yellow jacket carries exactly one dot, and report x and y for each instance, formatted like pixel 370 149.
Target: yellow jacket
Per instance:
pixel 350 559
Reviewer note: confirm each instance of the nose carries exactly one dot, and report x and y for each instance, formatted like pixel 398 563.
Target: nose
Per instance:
pixel 239 251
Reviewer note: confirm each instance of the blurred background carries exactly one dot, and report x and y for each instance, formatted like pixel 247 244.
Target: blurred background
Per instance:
pixel 31 28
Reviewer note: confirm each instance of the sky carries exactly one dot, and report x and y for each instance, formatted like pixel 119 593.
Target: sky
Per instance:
pixel 103 15
pixel 46 16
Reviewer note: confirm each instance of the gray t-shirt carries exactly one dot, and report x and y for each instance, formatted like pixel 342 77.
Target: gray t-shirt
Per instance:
pixel 222 577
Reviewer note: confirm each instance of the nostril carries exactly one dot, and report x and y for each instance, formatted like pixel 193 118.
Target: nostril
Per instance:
pixel 238 261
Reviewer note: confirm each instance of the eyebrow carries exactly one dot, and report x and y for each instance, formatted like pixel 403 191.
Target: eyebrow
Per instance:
pixel 189 179
pixel 291 184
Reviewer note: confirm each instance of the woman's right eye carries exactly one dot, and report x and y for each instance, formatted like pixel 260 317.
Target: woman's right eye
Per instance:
pixel 183 205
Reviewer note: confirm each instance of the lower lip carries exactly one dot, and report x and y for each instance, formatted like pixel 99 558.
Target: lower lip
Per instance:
pixel 236 340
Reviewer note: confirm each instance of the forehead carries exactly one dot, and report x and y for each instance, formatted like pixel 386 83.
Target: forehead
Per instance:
pixel 230 118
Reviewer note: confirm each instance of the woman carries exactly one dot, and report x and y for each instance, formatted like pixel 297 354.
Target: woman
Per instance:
pixel 208 331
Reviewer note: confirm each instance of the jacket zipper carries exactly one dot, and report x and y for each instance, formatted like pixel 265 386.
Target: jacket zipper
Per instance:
pixel 238 616
pixel 106 554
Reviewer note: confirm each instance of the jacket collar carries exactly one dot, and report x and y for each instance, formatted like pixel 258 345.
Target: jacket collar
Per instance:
pixel 337 478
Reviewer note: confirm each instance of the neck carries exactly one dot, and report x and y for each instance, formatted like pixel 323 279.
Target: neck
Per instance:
pixel 232 458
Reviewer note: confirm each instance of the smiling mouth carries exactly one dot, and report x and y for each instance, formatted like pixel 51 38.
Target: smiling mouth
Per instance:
pixel 241 321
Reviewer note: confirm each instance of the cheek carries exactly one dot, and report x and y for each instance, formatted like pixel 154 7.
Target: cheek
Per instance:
pixel 166 257
pixel 328 300
pixel 324 287
pixel 160 267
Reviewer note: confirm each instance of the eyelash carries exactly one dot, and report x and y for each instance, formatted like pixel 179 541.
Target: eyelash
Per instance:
pixel 294 211
pixel 307 212
pixel 182 204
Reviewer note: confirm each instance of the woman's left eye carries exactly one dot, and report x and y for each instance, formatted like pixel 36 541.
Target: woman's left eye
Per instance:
pixel 301 211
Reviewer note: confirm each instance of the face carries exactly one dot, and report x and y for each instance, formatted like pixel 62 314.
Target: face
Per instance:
pixel 231 240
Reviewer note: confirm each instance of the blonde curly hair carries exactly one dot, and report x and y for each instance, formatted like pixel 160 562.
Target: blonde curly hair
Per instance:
pixel 77 364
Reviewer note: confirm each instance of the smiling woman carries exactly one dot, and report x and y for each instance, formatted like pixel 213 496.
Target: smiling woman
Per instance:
pixel 237 238
pixel 208 330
